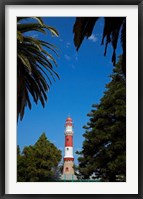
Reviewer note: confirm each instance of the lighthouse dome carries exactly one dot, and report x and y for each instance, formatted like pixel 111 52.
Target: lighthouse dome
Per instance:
pixel 69 119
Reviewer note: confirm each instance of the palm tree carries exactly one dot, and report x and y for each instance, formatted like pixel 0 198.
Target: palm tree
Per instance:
pixel 34 63
pixel 83 27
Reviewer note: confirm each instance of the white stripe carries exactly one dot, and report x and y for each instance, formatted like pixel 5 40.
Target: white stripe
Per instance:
pixel 68 152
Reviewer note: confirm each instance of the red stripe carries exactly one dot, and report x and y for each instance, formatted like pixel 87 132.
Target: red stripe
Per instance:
pixel 68 159
pixel 68 140
pixel 68 124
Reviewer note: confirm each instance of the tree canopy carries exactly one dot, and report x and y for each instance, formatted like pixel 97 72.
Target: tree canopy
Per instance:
pixel 83 27
pixel 34 63
pixel 38 163
pixel 103 154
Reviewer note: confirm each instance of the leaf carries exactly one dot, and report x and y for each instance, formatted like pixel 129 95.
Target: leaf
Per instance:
pixel 52 30
pixel 39 19
pixel 30 27
pixel 19 36
pixel 83 27
pixel 25 61
pixel 33 41
pixel 34 63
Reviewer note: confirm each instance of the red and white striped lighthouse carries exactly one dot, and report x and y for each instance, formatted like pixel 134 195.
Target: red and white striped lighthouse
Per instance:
pixel 68 170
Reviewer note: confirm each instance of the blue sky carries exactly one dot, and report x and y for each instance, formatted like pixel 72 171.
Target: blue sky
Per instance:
pixel 83 76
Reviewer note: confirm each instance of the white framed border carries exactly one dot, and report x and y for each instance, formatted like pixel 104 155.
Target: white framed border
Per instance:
pixel 131 184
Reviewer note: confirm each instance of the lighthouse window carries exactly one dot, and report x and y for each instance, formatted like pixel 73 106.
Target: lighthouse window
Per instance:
pixel 67 149
pixel 67 139
pixel 67 169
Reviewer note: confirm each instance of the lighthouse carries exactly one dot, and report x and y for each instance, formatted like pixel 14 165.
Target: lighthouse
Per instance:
pixel 68 169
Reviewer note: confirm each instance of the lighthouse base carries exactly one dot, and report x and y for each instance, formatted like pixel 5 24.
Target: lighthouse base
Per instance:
pixel 68 177
pixel 68 167
pixel 68 170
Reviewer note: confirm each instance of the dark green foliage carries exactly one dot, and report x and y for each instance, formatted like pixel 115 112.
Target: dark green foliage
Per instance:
pixel 35 63
pixel 39 163
pixel 103 154
pixel 83 27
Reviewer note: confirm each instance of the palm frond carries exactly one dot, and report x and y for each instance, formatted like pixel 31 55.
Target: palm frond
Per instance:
pixel 25 61
pixel 83 27
pixel 19 36
pixel 24 28
pixel 34 64
pixel 39 19
pixel 111 30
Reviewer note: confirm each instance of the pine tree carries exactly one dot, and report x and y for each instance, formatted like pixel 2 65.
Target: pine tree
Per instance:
pixel 103 154
pixel 39 163
pixel 20 166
